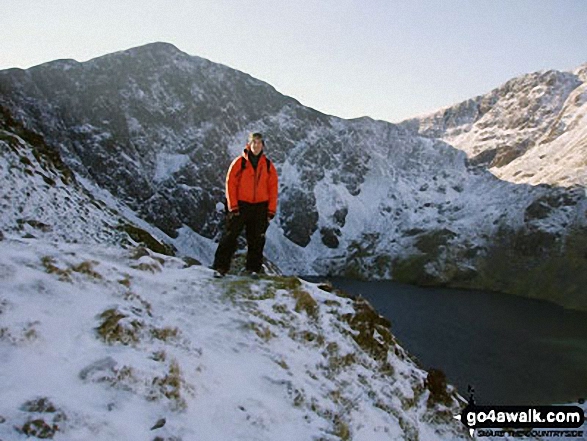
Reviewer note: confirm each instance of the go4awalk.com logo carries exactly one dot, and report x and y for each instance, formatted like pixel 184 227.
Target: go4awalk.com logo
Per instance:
pixel 523 420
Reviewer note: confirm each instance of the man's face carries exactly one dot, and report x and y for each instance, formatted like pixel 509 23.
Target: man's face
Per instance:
pixel 256 146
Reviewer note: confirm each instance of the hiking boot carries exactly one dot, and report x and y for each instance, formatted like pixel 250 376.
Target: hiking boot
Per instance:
pixel 219 273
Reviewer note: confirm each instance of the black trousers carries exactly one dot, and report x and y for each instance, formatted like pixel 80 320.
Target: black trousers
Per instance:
pixel 252 217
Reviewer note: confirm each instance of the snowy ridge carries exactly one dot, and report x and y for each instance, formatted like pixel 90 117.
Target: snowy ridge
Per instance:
pixel 530 130
pixel 152 340
pixel 560 157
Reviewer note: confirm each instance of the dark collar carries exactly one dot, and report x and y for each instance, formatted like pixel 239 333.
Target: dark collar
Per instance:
pixel 254 159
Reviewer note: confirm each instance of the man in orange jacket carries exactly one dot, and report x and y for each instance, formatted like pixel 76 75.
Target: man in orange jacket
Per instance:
pixel 251 198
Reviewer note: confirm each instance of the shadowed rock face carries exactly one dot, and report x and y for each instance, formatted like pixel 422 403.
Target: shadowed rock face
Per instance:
pixel 158 129
pixel 537 264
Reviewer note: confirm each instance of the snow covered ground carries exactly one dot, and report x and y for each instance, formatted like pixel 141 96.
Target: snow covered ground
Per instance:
pixel 101 343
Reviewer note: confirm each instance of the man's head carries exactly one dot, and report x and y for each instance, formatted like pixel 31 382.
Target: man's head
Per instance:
pixel 256 143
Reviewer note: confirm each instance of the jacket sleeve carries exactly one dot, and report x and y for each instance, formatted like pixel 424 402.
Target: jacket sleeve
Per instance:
pixel 273 185
pixel 232 183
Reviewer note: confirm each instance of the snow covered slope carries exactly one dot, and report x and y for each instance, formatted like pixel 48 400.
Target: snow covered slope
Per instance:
pixel 102 343
pixel 530 130
pixel 41 197
pixel 559 157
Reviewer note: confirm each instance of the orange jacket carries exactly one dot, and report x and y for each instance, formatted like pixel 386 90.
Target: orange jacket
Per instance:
pixel 251 185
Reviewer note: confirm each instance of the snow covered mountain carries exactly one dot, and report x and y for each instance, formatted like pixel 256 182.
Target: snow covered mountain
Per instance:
pixel 98 342
pixel 533 129
pixel 151 130
pixel 42 198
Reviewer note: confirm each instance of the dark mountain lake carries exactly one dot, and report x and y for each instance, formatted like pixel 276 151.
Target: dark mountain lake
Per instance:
pixel 512 350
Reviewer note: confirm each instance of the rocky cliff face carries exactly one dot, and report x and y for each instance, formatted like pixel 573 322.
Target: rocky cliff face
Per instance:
pixel 156 128
pixel 530 130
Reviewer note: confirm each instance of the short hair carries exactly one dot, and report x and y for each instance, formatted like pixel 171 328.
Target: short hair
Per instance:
pixel 256 135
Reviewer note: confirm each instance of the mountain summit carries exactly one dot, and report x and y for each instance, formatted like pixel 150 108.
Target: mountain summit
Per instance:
pixel 530 130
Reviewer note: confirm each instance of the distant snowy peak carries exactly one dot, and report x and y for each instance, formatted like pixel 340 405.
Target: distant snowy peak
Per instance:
pixel 158 47
pixel 581 72
pixel 165 57
pixel 160 53
pixel 510 122
pixel 559 157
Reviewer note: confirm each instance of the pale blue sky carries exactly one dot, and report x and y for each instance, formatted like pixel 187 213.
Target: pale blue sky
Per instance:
pixel 385 59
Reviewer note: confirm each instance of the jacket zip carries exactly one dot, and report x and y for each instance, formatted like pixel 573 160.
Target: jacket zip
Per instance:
pixel 256 181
